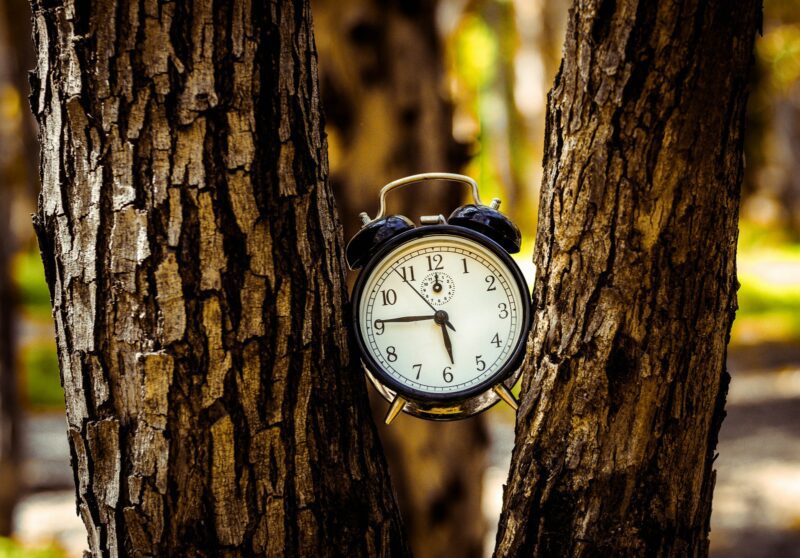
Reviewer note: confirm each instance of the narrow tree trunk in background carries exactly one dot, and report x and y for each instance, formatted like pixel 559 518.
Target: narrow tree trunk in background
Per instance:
pixel 625 386
pixel 385 97
pixel 195 265
pixel 12 174
pixel 384 94
pixel 9 411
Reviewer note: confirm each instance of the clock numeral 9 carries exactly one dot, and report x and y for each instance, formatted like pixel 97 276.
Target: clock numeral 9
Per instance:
pixel 418 368
pixel 435 262
pixel 447 376
pixel 389 297
pixel 496 340
pixel 391 353
pixel 379 327
pixel 479 363
pixel 490 279
pixel 503 307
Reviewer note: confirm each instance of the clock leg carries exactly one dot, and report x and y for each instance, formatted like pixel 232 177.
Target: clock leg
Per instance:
pixel 394 409
pixel 506 395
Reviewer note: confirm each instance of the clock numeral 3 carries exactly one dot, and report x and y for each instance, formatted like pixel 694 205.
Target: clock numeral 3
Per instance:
pixel 447 376
pixel 408 273
pixel 479 363
pixel 503 307
pixel 490 279
pixel 391 353
pixel 389 297
pixel 496 340
pixel 435 262
pixel 418 368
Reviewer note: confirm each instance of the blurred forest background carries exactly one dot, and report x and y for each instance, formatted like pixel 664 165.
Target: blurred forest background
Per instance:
pixel 459 86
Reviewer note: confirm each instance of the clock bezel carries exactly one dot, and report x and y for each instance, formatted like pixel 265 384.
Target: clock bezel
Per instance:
pixel 502 374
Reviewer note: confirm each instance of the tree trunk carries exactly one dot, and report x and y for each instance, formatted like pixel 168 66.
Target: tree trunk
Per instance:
pixel 194 259
pixel 636 288
pixel 12 177
pixel 384 93
pixel 386 105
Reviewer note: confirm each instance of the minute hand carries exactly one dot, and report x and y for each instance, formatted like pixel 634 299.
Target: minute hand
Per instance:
pixel 408 319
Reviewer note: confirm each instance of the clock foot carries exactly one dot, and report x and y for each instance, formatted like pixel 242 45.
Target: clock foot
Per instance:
pixel 394 409
pixel 506 395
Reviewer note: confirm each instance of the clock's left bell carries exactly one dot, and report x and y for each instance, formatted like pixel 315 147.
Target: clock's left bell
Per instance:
pixel 366 242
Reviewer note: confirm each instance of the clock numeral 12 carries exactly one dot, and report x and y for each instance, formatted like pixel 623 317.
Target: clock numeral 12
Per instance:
pixel 435 262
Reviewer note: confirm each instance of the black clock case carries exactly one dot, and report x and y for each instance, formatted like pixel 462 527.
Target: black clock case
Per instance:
pixel 427 230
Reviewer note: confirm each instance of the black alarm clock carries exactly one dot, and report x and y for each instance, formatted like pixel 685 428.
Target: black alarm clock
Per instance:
pixel 441 310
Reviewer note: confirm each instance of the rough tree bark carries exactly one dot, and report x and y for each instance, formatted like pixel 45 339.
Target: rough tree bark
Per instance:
pixel 195 266
pixel 636 289
pixel 387 114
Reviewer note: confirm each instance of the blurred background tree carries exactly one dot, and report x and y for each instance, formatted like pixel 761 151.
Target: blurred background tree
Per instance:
pixel 388 116
pixel 497 62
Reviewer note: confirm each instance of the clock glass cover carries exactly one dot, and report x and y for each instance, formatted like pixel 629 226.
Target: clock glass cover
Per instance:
pixel 442 315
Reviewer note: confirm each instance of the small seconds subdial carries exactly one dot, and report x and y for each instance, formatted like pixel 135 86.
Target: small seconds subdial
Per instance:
pixel 438 287
pixel 441 316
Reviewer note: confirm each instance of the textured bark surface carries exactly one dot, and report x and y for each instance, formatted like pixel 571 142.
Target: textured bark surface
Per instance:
pixel 383 90
pixel 625 381
pixel 195 264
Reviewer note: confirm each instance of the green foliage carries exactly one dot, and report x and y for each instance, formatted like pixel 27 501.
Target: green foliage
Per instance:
pixel 33 292
pixel 13 549
pixel 41 380
pixel 779 51
pixel 769 296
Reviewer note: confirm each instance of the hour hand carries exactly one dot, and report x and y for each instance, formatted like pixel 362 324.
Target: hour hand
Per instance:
pixel 407 319
pixel 447 344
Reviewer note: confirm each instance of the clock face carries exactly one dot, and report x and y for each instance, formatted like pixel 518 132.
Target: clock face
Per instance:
pixel 441 315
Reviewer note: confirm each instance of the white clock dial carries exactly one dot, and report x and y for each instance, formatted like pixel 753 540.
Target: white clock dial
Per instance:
pixel 441 314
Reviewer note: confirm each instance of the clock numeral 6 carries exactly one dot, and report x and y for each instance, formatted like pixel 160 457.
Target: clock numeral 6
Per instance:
pixel 418 368
pixel 389 297
pixel 503 307
pixel 447 375
pixel 479 363
pixel 379 327
pixel 435 262
pixel 391 353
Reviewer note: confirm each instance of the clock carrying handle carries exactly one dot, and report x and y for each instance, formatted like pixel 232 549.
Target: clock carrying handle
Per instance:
pixel 421 178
